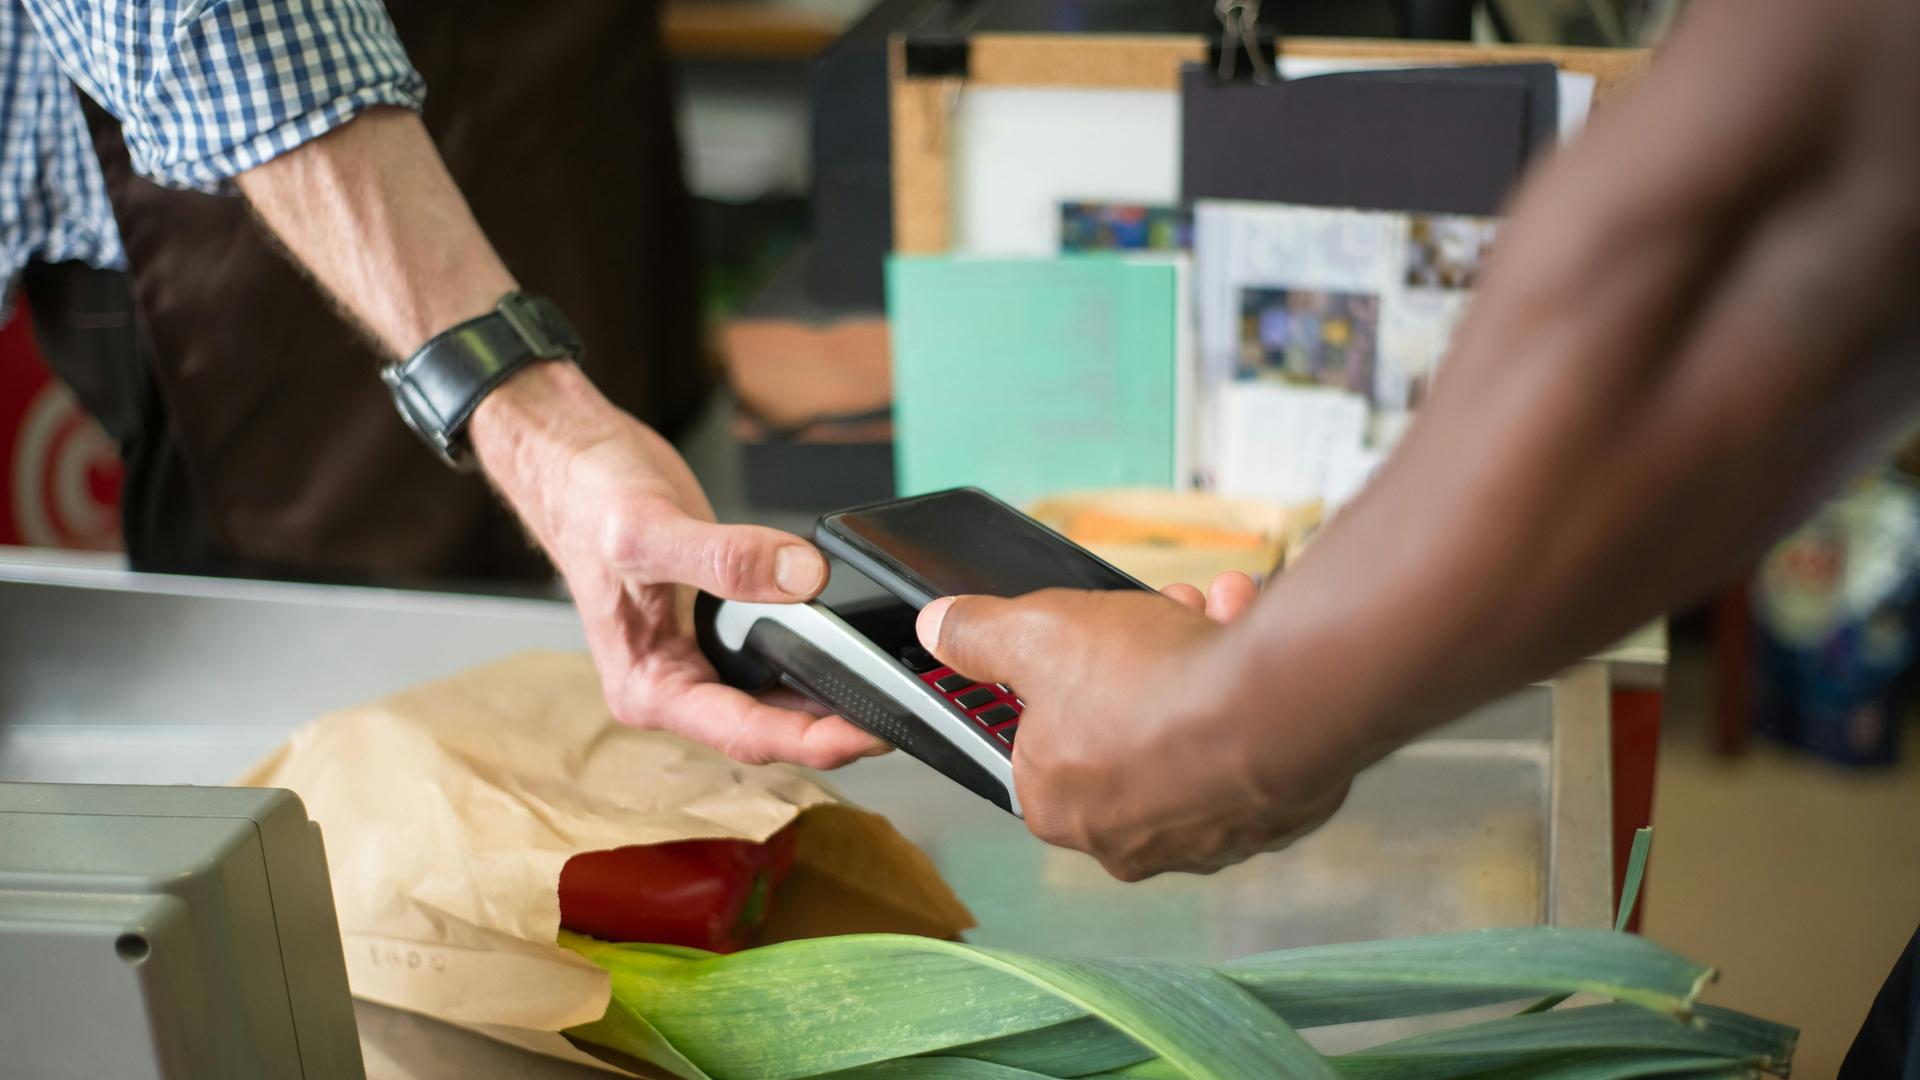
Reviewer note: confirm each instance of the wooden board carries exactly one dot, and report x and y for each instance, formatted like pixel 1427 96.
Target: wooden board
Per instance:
pixel 922 108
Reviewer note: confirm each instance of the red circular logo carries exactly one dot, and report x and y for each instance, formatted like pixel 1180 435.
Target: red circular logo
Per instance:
pixel 64 472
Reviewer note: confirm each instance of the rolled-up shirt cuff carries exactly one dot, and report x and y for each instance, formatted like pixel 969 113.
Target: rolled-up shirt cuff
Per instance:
pixel 214 172
pixel 236 83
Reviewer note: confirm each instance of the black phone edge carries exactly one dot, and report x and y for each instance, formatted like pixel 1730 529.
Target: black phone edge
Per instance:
pixel 897 579
pixel 878 568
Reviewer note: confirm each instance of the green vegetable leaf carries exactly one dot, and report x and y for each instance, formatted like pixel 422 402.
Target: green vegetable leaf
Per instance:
pixel 1193 1018
pixel 935 1068
pixel 1591 1032
pixel 1630 884
pixel 822 1005
pixel 909 996
pixel 1088 1045
pixel 872 1005
pixel 625 1030
pixel 1622 967
pixel 1629 899
pixel 1374 980
pixel 1626 1066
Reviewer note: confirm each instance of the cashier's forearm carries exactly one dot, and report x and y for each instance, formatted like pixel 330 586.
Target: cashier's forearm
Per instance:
pixel 1699 318
pixel 370 211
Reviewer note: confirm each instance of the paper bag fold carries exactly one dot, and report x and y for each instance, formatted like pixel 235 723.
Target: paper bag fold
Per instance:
pixel 449 809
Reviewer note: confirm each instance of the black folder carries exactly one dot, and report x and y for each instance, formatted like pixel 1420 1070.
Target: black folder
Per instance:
pixel 1443 140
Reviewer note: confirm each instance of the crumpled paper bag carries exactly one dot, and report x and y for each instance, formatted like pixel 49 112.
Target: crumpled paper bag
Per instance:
pixel 448 810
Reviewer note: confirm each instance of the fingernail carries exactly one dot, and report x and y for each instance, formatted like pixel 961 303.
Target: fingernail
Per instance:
pixel 928 625
pixel 797 570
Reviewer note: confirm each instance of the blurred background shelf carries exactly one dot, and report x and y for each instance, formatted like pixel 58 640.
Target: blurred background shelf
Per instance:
pixel 753 29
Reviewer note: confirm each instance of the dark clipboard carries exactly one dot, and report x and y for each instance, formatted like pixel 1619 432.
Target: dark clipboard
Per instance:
pixel 1442 140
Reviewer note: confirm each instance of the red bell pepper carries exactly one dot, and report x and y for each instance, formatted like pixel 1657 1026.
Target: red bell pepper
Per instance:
pixel 707 894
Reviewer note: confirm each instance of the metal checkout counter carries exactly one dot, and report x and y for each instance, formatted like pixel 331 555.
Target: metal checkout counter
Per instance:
pixel 113 677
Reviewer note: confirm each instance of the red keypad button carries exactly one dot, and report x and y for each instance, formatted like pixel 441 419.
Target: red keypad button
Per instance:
pixel 991 705
pixel 977 698
pixel 998 714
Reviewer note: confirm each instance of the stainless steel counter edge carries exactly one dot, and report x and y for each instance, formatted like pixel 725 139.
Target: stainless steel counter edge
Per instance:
pixel 1580 846
pixel 108 573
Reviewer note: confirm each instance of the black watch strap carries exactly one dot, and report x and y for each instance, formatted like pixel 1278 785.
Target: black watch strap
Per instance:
pixel 438 387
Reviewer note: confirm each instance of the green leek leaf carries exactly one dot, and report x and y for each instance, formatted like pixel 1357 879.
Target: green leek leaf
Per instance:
pixel 624 1029
pixel 910 996
pixel 1622 967
pixel 878 1006
pixel 1629 899
pixel 935 1068
pixel 1193 1018
pixel 1375 980
pixel 1593 1031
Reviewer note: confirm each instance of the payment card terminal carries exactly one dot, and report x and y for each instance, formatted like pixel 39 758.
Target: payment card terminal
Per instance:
pixel 861 658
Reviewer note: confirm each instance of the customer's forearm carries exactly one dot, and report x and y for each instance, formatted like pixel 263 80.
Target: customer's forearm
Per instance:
pixel 1667 362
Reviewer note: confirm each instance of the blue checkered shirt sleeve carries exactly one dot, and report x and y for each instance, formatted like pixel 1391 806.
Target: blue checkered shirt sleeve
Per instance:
pixel 207 89
pixel 53 202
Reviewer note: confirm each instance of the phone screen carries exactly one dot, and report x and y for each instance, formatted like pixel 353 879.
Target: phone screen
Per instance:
pixel 967 542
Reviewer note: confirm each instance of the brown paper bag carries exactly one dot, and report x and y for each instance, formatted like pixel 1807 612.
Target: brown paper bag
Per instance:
pixel 448 810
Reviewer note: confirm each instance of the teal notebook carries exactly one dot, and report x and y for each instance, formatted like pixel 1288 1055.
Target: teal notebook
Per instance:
pixel 1031 377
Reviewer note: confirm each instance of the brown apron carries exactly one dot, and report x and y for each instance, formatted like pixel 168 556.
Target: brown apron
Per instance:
pixel 556 120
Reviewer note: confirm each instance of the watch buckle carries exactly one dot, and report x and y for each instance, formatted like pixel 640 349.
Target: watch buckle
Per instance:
pixel 408 404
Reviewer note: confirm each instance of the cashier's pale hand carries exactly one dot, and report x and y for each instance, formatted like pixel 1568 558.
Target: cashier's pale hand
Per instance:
pixel 1128 748
pixel 628 527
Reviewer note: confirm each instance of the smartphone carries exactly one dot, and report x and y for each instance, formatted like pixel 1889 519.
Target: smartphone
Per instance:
pixel 960 541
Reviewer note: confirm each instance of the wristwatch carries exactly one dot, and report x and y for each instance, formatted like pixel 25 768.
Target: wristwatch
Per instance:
pixel 438 387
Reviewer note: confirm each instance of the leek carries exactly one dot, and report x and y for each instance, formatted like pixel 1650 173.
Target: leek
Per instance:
pixel 888 1007
pixel 875 1007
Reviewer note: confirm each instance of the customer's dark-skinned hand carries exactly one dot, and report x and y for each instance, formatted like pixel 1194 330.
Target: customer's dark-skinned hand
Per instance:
pixel 1127 750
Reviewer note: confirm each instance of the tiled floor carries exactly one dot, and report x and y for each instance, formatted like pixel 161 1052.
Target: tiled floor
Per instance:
pixel 1800 881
